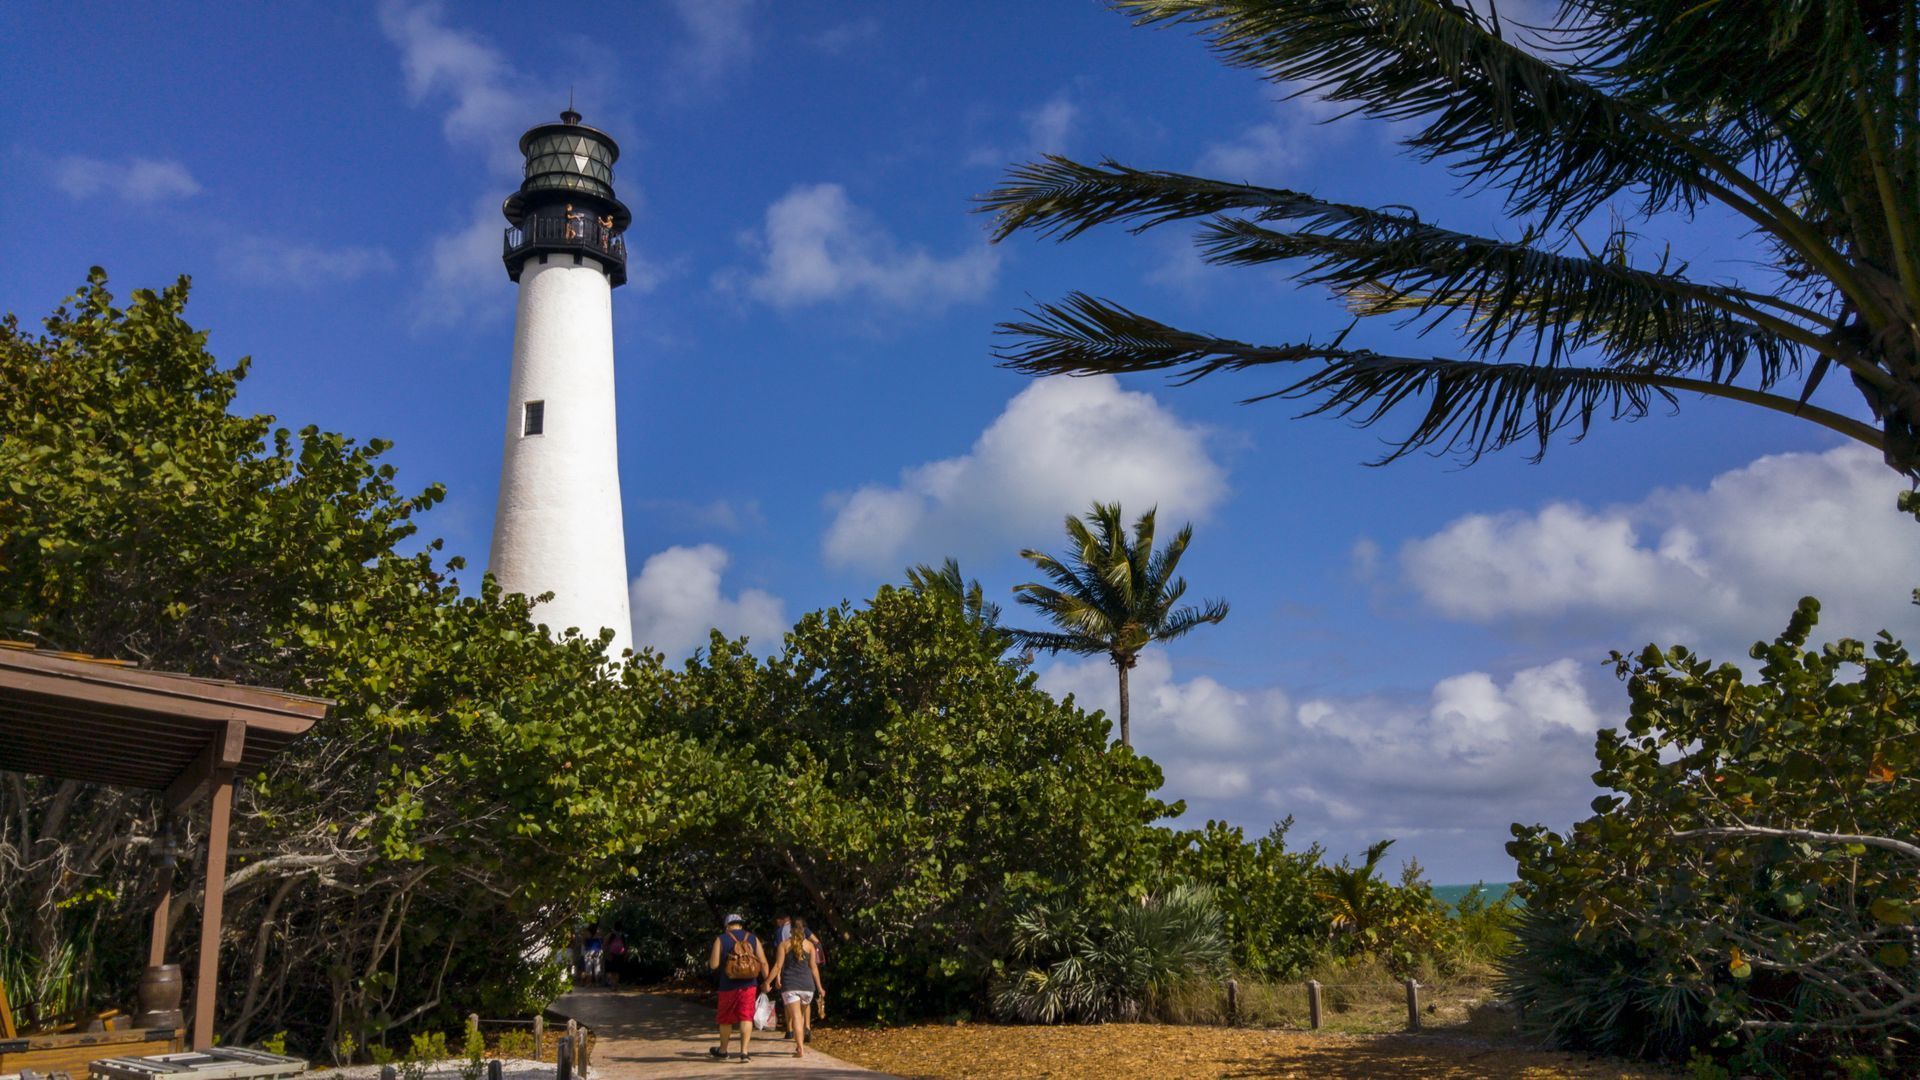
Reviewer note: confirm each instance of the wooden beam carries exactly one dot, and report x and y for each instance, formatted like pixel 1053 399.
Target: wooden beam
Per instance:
pixel 206 979
pixel 223 754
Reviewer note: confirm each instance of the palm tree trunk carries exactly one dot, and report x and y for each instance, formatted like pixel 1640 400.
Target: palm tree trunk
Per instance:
pixel 1125 733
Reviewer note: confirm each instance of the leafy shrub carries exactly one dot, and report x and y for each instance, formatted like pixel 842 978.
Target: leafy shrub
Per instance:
pixel 1273 922
pixel 1486 926
pixel 1090 972
pixel 275 1043
pixel 1739 890
pixel 474 1055
pixel 514 1043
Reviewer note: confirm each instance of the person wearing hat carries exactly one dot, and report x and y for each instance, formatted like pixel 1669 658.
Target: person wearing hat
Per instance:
pixel 737 963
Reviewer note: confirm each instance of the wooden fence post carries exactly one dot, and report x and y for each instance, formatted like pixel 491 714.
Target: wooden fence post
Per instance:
pixel 1233 1003
pixel 563 1061
pixel 573 1043
pixel 473 1023
pixel 1413 1005
pixel 539 1036
pixel 496 1070
pixel 1313 1004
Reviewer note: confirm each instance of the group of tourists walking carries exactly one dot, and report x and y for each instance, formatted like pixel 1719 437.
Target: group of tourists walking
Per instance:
pixel 740 967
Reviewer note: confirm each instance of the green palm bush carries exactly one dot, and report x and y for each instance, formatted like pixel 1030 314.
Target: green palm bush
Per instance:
pixel 1597 992
pixel 1088 971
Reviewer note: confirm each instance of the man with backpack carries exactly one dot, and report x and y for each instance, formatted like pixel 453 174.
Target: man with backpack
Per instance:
pixel 737 963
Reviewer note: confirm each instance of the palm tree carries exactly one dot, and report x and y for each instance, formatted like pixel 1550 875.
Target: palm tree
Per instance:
pixel 1112 595
pixel 947 581
pixel 1348 892
pixel 1802 119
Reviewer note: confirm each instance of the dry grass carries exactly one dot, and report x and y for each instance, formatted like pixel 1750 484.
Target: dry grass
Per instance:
pixel 1182 1052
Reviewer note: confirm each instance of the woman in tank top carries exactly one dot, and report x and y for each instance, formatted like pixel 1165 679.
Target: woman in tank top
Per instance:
pixel 796 971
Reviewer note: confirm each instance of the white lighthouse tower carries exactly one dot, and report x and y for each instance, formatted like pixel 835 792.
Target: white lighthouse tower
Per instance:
pixel 557 528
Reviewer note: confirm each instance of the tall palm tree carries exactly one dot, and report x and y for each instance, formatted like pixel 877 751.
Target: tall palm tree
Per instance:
pixel 1803 119
pixel 1112 594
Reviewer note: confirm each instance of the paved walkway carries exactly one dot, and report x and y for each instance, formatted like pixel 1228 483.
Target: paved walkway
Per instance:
pixel 652 1037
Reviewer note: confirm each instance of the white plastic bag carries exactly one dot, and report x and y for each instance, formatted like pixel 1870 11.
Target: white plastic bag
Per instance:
pixel 763 1013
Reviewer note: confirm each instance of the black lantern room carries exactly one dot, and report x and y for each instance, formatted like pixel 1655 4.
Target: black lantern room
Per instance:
pixel 565 207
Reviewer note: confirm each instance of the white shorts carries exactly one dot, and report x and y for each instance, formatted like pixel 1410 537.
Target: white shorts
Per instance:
pixel 797 997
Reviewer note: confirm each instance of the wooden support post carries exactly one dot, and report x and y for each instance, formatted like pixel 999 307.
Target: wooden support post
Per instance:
pixel 157 943
pixel 1233 1003
pixel 1413 1005
pixel 586 1051
pixel 574 1040
pixel 563 1061
pixel 1313 1004
pixel 539 1036
pixel 206 979
pixel 6 1015
pixel 473 1023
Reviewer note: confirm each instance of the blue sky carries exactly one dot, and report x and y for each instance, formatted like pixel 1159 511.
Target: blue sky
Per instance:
pixel 807 399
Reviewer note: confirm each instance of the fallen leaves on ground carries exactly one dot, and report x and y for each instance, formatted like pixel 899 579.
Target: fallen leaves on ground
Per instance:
pixel 1111 1051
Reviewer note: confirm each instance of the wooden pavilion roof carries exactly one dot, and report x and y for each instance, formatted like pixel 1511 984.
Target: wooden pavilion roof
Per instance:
pixel 74 717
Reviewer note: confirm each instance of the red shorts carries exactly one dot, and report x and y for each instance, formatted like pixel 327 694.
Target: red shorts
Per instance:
pixel 736 1006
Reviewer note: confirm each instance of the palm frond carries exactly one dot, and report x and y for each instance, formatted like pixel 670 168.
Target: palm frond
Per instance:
pixel 1184 619
pixel 1512 292
pixel 1052 642
pixel 1473 406
pixel 1062 198
pixel 1558 144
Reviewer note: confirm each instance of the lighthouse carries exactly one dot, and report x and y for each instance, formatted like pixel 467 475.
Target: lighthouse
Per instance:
pixel 557 527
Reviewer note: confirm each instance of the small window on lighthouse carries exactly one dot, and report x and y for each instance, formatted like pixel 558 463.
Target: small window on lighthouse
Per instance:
pixel 534 418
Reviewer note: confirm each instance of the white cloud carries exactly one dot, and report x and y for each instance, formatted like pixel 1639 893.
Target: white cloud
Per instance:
pixel 1296 130
pixel 486 98
pixel 1049 130
pixel 843 37
pixel 1461 761
pixel 139 181
pixel 716 39
pixel 818 247
pixel 677 602
pixel 1059 445
pixel 283 262
pixel 1050 125
pixel 1714 568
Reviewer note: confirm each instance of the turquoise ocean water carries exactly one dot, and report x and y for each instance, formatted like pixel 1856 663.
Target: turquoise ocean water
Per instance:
pixel 1451 894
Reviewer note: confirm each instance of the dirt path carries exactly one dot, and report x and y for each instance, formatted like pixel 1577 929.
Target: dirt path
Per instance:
pixel 1171 1052
pixel 650 1037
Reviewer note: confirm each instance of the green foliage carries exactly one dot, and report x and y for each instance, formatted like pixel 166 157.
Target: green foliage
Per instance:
pixel 1801 119
pixel 1745 862
pixel 1486 926
pixel 514 1043
pixel 918 792
pixel 473 1054
pixel 1277 927
pixel 275 1043
pixel 1112 594
pixel 1087 968
pixel 475 778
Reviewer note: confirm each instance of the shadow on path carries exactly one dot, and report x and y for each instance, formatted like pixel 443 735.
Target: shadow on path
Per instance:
pixel 648 1037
